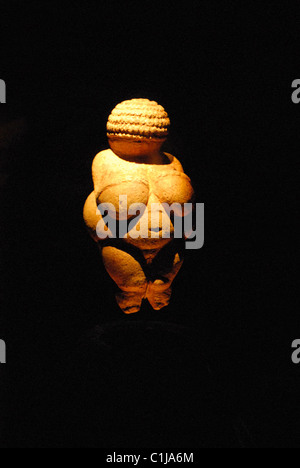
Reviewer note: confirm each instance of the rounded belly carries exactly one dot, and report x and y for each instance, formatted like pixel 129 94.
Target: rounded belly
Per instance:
pixel 152 229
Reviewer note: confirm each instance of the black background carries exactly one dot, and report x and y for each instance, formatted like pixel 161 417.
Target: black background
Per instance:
pixel 214 369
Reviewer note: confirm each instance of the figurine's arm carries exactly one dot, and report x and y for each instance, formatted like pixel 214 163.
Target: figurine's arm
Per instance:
pixel 99 169
pixel 175 163
pixel 187 193
pixel 91 213
pixel 91 216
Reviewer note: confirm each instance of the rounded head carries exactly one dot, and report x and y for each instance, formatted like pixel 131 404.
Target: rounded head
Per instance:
pixel 137 127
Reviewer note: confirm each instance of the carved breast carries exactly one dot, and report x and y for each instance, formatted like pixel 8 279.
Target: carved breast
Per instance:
pixel 142 183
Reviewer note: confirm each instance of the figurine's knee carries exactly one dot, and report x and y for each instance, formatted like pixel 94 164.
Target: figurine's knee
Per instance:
pixel 166 270
pixel 124 269
pixel 161 284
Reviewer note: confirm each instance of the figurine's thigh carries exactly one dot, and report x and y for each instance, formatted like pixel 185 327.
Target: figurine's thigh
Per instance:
pixel 124 268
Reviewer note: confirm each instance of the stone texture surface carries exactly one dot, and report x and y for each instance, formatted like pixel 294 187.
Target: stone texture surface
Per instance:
pixel 142 267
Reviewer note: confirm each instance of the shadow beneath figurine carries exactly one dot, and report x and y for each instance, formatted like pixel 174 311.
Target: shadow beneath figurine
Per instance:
pixel 142 383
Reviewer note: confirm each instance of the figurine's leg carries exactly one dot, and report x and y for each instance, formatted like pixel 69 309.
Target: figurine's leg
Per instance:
pixel 164 269
pixel 124 267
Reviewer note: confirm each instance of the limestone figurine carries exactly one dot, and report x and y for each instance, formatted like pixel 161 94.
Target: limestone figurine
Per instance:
pixel 142 267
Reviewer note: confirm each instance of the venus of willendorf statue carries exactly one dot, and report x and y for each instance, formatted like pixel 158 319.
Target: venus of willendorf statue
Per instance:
pixel 135 170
